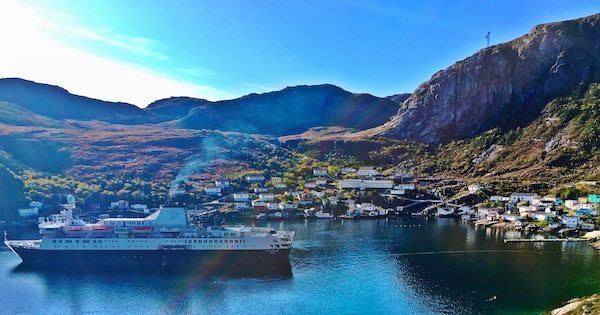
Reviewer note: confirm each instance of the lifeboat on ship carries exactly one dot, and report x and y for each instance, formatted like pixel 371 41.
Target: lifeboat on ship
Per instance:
pixel 74 230
pixel 141 229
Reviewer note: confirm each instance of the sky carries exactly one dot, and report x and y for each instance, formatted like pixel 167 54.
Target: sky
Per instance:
pixel 138 51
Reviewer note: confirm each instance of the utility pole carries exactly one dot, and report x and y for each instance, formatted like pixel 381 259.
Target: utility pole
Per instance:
pixel 487 38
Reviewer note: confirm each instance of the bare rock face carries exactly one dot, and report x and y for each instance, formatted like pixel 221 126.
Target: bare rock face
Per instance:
pixel 505 85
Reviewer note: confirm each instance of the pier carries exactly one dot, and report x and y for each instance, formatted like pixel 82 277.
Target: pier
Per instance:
pixel 542 240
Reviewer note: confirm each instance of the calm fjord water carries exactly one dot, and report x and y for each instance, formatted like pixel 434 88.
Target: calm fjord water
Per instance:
pixel 399 266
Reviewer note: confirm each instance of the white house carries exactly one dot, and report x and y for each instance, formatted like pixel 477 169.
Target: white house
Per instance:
pixel 121 204
pixel 519 197
pixel 397 192
pixel 367 171
pixel 287 206
pixel 222 183
pixel 321 181
pixel 365 206
pixel 499 198
pixel 280 186
pixel 405 186
pixel 260 189
pixel 571 204
pixel 272 206
pixel 364 184
pixel 320 172
pixel 348 170
pixel 541 215
pixel 212 191
pixel 511 217
pixel 239 197
pixel 242 206
pixel 266 197
pixel 255 178
pixel 310 185
pixel 473 188
pixel 570 221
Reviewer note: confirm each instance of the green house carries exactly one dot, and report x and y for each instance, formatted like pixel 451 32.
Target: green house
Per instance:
pixel 594 198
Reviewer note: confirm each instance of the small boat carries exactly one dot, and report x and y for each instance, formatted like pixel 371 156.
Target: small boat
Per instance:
pixel 323 215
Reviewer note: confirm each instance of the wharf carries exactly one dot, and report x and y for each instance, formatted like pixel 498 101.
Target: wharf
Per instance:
pixel 542 240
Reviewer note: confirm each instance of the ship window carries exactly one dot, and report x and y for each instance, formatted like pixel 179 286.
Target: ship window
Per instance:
pixel 53 241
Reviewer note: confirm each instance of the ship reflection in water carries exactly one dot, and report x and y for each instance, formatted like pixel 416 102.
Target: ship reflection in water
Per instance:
pixel 399 266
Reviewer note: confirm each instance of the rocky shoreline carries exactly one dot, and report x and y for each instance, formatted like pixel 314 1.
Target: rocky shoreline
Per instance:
pixel 585 305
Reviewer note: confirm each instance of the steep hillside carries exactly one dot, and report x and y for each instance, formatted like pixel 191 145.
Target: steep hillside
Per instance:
pixel 562 144
pixel 291 110
pixel 57 103
pixel 503 86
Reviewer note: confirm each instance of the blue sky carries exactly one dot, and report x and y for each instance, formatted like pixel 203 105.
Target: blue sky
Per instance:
pixel 138 51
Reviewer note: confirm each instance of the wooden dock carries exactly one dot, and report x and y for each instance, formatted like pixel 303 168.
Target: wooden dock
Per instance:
pixel 542 240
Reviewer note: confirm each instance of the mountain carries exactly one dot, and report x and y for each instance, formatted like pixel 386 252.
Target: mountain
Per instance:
pixel 54 102
pixel 503 86
pixel 288 111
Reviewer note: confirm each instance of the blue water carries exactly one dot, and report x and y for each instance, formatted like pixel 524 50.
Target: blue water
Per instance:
pixel 395 266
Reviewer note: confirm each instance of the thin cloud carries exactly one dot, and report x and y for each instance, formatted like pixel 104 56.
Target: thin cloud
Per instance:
pixel 37 55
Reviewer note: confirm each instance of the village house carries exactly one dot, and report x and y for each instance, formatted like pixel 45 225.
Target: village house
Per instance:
pixel 266 197
pixel 405 186
pixel 288 206
pixel 594 199
pixel 239 197
pixel 119 205
pixel 570 222
pixel 260 190
pixel 222 183
pixel 213 191
pixel 367 171
pixel 348 170
pixel 403 176
pixel 490 214
pixel 259 206
pixel 310 185
pixel 511 217
pixel 473 188
pixel 571 204
pixel 272 206
pixel 364 184
pixel 333 200
pixel 496 198
pixel 280 186
pixel 542 215
pixel 397 191
pixel 242 206
pixel 321 181
pixel 255 178
pixel 520 197
pixel 320 172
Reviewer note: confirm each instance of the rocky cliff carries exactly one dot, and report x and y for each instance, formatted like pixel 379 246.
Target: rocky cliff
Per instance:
pixel 502 86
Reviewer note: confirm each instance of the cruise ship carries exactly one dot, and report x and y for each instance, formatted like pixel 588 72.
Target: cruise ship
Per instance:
pixel 162 239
